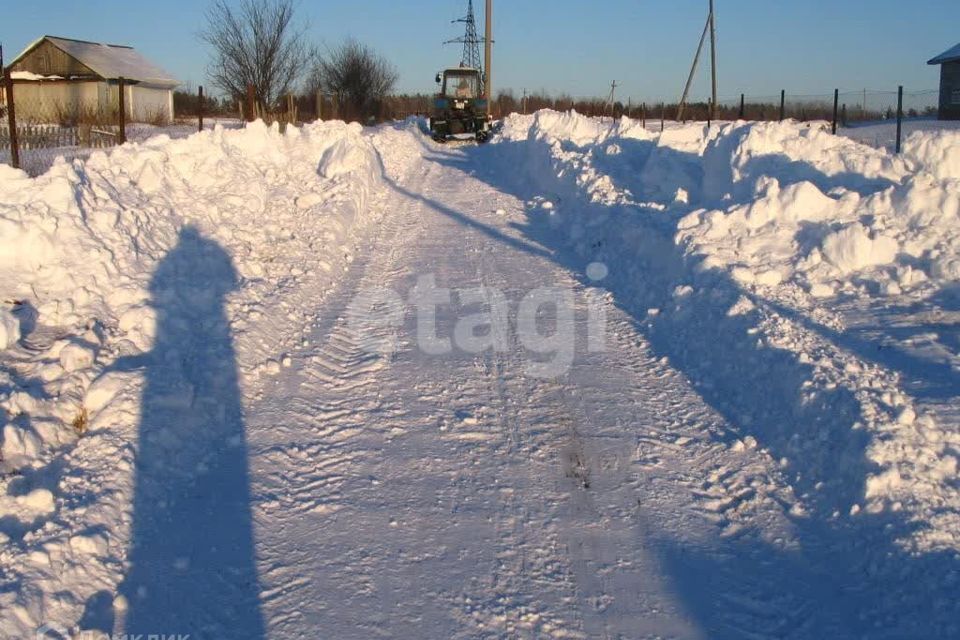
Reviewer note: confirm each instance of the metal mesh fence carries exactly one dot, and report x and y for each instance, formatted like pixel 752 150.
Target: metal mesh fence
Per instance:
pixel 61 119
pixel 853 106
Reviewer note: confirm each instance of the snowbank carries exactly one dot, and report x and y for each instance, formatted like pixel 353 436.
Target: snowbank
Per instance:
pixel 826 213
pixel 749 228
pixel 82 240
pixel 81 245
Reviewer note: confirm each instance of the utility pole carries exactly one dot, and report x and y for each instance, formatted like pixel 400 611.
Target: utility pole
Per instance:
pixel 709 28
pixel 713 55
pixel 524 102
pixel 610 98
pixel 488 57
pixel 693 70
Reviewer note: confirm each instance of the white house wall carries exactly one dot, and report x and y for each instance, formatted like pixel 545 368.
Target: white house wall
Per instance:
pixel 149 104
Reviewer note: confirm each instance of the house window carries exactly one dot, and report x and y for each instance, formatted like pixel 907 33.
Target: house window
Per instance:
pixel 955 97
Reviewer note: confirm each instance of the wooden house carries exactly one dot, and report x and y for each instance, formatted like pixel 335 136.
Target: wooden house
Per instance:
pixel 59 79
pixel 949 62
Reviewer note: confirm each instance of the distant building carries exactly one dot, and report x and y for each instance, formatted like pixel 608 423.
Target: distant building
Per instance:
pixel 949 62
pixel 58 79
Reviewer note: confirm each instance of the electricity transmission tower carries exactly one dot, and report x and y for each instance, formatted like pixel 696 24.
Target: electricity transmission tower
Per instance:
pixel 470 40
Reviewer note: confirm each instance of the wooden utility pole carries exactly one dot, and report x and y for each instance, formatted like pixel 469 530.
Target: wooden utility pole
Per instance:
pixel 713 56
pixel 200 109
pixel 488 57
pixel 693 69
pixel 610 99
pixel 710 28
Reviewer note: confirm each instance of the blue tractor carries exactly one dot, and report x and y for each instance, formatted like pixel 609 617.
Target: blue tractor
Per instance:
pixel 460 109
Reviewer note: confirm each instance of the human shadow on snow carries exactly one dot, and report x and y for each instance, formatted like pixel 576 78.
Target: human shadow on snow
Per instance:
pixel 847 576
pixel 191 560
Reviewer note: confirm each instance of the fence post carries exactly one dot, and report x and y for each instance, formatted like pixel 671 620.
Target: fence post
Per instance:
pixel 121 86
pixel 743 105
pixel 783 104
pixel 836 104
pixel 11 120
pixel 899 118
pixel 200 109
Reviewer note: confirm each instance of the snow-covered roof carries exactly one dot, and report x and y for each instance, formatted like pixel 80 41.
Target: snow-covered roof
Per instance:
pixel 109 61
pixel 26 75
pixel 953 55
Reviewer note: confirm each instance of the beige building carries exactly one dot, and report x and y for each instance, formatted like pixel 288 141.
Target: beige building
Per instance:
pixel 59 80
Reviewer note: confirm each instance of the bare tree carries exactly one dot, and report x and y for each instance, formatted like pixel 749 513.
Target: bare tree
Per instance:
pixel 359 77
pixel 256 43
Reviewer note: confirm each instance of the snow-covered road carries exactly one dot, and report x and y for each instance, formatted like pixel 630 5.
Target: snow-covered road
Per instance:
pixel 457 496
pixel 455 493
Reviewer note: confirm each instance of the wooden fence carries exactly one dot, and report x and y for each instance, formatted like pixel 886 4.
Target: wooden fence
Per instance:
pixel 51 136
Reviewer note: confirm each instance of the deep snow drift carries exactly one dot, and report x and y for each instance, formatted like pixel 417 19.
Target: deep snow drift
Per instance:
pixel 781 224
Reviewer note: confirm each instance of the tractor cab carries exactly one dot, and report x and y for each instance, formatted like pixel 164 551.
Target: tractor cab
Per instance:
pixel 460 109
pixel 460 84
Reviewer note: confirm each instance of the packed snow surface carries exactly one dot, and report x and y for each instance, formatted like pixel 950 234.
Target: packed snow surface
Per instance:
pixel 219 417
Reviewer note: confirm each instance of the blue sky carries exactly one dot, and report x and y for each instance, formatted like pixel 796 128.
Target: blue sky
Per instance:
pixel 572 46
